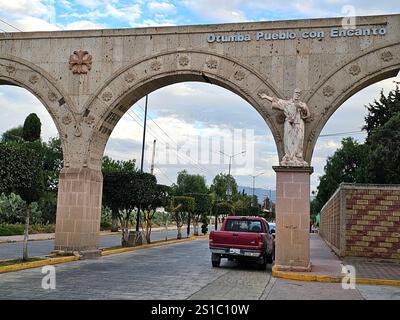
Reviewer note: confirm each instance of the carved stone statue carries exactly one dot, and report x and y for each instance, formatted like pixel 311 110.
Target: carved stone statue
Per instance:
pixel 295 112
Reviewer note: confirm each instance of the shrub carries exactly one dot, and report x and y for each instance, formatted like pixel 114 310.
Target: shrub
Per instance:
pixel 106 214
pixel 11 229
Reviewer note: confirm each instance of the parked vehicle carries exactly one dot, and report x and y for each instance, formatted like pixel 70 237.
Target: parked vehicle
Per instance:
pixel 243 238
pixel 272 228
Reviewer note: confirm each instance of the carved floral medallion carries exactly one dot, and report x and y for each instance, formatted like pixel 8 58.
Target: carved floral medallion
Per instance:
pixel 80 62
pixel 328 91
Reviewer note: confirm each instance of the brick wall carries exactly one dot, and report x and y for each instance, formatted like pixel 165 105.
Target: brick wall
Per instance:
pixel 363 221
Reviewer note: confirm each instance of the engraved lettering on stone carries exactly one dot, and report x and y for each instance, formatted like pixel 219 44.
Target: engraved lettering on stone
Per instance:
pixel 355 69
pixel 183 61
pixel 67 119
pixel 129 77
pixel 239 75
pixel 386 56
pixel 295 113
pixel 80 62
pixel 328 91
pixel 212 64
pixel 107 96
pixel 33 78
pixel 155 65
pixel 52 96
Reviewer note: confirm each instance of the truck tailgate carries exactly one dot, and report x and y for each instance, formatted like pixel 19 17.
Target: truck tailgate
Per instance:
pixel 229 239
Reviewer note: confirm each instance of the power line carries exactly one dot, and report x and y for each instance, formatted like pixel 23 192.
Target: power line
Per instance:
pixel 195 162
pixel 341 133
pixel 10 25
pixel 205 171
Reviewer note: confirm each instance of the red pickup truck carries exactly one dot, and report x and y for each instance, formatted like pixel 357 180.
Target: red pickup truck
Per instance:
pixel 243 238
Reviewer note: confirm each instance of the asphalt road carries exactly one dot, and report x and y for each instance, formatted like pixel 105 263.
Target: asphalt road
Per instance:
pixel 44 247
pixel 174 272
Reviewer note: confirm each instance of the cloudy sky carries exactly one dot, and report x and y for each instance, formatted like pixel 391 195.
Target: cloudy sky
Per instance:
pixel 191 122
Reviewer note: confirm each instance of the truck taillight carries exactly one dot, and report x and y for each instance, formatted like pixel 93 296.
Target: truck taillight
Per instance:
pixel 211 237
pixel 260 240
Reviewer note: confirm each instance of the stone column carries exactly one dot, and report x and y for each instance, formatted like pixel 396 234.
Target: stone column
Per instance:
pixel 79 211
pixel 292 247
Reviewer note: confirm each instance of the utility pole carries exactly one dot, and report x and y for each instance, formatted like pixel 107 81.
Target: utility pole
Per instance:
pixel 152 158
pixel 254 179
pixel 229 191
pixel 141 164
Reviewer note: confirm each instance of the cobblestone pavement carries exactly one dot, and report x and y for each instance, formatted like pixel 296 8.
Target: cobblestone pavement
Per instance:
pixel 375 270
pixel 173 272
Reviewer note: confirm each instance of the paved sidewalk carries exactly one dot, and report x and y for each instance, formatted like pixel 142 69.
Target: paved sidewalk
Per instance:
pixel 326 265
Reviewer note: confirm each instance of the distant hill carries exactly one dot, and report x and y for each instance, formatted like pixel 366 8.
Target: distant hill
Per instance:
pixel 261 193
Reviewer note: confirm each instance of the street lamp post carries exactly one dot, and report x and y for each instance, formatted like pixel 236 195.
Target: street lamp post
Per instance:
pixel 254 179
pixel 230 164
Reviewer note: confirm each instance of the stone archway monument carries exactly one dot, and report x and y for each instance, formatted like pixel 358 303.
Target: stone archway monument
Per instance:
pixel 87 80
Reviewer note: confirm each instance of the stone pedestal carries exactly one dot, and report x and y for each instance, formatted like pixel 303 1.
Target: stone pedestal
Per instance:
pixel 78 211
pixel 292 247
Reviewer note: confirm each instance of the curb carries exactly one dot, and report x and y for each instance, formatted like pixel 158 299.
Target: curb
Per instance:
pixel 331 279
pixel 36 264
pixel 105 252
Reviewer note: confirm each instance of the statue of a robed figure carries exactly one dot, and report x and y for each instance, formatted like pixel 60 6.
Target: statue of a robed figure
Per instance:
pixel 295 112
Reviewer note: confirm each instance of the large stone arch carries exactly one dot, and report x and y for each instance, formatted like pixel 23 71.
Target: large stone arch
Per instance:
pixel 352 76
pixel 132 82
pixel 18 72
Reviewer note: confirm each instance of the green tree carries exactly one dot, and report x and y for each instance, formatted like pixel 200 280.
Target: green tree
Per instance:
pixel 181 206
pixel 202 207
pixel 382 110
pixel 21 173
pixel 12 135
pixel 158 198
pixel 112 188
pixel 221 184
pixel 383 156
pixel 189 183
pixel 345 165
pixel 32 128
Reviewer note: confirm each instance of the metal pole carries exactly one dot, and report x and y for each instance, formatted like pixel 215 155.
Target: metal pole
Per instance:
pixel 252 199
pixel 141 164
pixel 152 158
pixel 144 133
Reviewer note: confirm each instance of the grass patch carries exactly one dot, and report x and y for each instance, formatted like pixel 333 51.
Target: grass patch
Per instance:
pixel 18 229
pixel 18 261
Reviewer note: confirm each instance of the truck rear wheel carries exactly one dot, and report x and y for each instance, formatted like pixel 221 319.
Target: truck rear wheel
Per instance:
pixel 215 259
pixel 262 263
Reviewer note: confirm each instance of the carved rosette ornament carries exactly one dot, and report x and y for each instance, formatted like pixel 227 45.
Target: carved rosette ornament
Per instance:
pixel 34 78
pixel 355 70
pixel 212 64
pixel 80 62
pixel 328 91
pixel 52 96
pixel 183 61
pixel 107 96
pixel 67 119
pixel 10 69
pixel 239 75
pixel 129 77
pixel 155 65
pixel 89 120
pixel 387 56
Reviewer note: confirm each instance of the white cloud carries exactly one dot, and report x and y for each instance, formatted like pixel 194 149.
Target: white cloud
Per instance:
pixel 164 7
pixel 35 24
pixel 218 11
pixel 84 25
pixel 25 7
